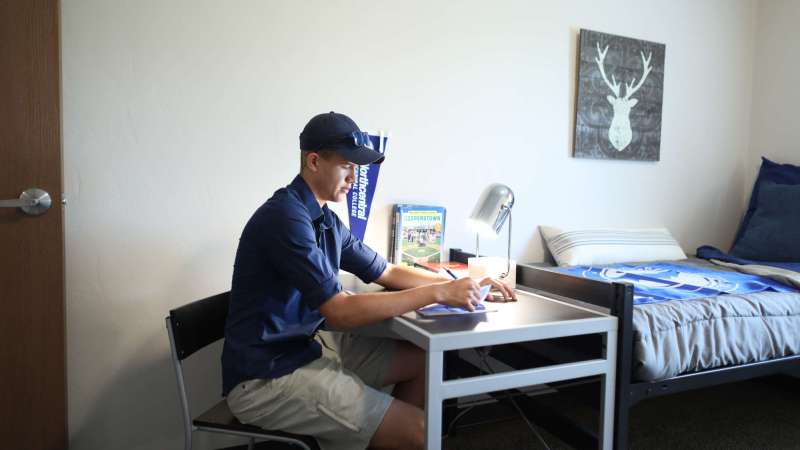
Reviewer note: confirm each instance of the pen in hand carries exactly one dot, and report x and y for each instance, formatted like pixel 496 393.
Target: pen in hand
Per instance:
pixel 450 272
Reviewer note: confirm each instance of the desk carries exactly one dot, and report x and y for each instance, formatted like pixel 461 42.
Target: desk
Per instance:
pixel 534 316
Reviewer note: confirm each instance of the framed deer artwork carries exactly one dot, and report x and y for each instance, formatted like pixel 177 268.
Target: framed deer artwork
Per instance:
pixel 620 90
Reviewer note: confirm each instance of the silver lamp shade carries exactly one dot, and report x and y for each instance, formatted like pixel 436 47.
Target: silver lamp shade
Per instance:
pixel 491 210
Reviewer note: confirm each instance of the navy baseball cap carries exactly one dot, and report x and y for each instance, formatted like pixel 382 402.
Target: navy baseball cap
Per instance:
pixel 337 132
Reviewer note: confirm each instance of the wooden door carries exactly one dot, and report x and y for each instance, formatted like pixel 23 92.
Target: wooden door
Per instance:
pixel 32 343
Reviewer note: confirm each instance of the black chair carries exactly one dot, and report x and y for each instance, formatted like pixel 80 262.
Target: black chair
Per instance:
pixel 192 327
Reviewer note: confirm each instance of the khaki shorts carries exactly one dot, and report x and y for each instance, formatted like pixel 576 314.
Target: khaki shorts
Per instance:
pixel 336 398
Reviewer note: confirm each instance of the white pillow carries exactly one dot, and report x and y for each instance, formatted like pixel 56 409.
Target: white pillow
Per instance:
pixel 594 246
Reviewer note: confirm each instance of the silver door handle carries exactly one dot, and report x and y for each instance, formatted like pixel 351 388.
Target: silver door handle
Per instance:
pixel 32 201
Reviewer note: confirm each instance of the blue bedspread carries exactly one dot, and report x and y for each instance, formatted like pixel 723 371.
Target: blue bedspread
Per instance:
pixel 709 252
pixel 658 282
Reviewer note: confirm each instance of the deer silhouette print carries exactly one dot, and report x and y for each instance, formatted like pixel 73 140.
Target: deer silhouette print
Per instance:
pixel 620 131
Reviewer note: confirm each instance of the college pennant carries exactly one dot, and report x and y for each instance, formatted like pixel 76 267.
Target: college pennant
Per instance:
pixel 359 199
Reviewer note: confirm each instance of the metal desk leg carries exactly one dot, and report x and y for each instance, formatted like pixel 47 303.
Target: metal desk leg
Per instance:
pixel 433 401
pixel 608 384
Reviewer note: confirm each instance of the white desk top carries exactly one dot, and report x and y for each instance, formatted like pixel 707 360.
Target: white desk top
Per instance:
pixel 532 317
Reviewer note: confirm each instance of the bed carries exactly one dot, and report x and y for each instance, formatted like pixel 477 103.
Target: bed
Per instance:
pixel 713 328
pixel 663 349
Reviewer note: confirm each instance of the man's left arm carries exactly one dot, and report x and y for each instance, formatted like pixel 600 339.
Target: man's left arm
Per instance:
pixel 404 277
pixel 361 260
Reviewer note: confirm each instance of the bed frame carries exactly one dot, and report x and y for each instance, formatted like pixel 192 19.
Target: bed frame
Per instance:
pixel 617 298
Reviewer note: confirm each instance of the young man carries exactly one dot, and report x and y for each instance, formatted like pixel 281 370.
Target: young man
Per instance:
pixel 279 370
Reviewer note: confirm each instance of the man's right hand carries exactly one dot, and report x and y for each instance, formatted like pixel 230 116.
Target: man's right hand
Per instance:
pixel 463 293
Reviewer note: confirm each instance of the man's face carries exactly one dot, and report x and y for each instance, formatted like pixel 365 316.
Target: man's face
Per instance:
pixel 334 178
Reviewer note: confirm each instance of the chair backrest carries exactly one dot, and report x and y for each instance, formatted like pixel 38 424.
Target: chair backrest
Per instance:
pixel 198 324
pixel 191 328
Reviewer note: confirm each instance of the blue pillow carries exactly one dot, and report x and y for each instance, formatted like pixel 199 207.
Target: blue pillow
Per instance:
pixel 770 172
pixel 773 232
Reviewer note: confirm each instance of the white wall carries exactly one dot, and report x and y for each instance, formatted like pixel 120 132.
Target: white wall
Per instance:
pixel 776 71
pixel 181 117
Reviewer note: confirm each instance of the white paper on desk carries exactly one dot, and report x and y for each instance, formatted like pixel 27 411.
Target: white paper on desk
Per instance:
pixel 437 309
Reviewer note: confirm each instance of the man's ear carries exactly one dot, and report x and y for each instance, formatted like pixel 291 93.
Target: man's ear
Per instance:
pixel 312 161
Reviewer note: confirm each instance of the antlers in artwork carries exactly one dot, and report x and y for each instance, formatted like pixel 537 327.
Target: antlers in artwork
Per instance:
pixel 630 89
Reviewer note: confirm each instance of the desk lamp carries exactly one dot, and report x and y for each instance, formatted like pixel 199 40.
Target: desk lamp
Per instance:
pixel 490 213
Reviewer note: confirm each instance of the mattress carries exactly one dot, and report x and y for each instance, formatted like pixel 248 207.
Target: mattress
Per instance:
pixel 680 336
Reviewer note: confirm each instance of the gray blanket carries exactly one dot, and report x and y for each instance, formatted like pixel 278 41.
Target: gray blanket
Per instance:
pixel 675 337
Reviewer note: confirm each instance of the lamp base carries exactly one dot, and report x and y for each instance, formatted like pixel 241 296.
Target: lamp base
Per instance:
pixel 493 266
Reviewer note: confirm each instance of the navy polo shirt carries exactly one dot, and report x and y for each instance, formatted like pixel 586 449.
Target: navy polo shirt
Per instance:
pixel 287 263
